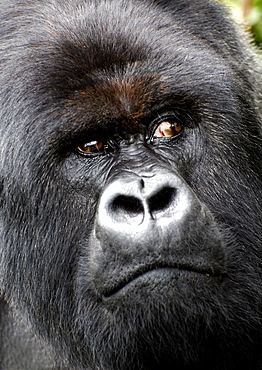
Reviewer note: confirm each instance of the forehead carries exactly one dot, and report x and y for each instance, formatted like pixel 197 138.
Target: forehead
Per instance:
pixel 117 62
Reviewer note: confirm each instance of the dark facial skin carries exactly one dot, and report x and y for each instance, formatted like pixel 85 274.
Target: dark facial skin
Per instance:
pixel 130 186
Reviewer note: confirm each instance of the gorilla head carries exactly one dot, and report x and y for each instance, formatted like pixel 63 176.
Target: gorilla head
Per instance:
pixel 130 184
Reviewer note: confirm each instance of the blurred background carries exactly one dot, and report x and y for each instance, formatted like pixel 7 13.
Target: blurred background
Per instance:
pixel 250 13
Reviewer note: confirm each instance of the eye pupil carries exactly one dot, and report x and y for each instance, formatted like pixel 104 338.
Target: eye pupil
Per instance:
pixel 94 146
pixel 168 129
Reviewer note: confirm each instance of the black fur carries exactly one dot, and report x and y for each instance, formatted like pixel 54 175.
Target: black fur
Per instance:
pixel 96 274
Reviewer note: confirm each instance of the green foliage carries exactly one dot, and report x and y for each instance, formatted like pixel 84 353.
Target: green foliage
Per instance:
pixel 251 12
pixel 255 20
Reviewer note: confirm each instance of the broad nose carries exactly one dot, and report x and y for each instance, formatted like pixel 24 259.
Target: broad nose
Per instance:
pixel 131 202
pixel 135 199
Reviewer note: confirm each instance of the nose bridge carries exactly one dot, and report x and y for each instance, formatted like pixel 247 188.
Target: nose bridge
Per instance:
pixel 137 159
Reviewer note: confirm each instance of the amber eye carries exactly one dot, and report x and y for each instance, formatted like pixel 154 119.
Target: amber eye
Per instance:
pixel 92 147
pixel 168 128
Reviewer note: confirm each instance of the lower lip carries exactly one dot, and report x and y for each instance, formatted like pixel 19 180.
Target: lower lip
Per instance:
pixel 165 276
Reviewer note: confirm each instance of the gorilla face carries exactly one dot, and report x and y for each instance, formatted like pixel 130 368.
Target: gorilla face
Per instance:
pixel 131 183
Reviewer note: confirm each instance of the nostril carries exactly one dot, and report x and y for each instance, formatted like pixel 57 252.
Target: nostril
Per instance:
pixel 127 204
pixel 162 199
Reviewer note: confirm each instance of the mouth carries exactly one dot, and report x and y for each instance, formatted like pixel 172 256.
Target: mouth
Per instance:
pixel 146 271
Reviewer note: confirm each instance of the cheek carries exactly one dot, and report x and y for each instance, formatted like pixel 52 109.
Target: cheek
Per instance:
pixel 85 176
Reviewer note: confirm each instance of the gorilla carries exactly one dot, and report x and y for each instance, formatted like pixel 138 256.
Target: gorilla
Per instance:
pixel 130 180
